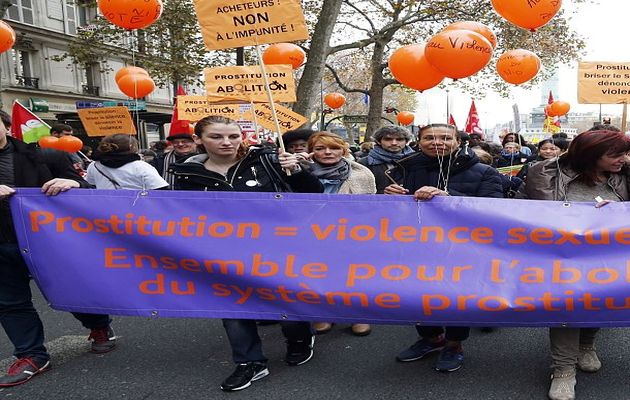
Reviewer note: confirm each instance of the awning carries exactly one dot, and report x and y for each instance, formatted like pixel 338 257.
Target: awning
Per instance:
pixel 37 105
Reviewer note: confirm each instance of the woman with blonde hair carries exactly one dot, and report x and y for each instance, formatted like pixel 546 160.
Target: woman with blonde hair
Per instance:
pixel 339 175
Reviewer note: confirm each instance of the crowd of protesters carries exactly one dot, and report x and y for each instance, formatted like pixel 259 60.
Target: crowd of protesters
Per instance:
pixel 442 162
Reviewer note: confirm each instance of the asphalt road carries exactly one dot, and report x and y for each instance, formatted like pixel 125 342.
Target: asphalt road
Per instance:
pixel 169 359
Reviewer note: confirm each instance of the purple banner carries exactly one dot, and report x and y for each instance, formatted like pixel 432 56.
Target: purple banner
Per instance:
pixel 354 258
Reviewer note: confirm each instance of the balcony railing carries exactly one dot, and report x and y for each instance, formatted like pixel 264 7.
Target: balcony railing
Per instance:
pixel 27 81
pixel 91 90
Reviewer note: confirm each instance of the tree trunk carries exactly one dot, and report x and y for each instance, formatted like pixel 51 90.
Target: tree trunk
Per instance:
pixel 309 86
pixel 375 110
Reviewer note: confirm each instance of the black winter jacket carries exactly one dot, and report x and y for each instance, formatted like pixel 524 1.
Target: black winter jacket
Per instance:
pixel 32 168
pixel 378 170
pixel 258 171
pixel 467 176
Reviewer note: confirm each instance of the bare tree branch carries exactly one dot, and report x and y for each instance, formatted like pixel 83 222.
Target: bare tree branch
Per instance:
pixel 341 84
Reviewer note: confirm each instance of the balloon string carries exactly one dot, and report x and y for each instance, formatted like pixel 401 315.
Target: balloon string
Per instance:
pixel 135 84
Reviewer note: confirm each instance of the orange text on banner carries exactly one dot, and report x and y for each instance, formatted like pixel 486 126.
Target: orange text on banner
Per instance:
pixel 603 82
pixel 106 121
pixel 194 108
pixel 224 84
pixel 287 119
pixel 227 24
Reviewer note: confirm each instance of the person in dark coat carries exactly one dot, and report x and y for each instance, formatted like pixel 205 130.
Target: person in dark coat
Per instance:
pixel 23 165
pixel 229 165
pixel 442 168
pixel 183 147
pixel 392 144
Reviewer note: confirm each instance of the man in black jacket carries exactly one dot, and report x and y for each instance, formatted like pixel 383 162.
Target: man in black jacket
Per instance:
pixel 23 165
pixel 442 169
pixel 392 144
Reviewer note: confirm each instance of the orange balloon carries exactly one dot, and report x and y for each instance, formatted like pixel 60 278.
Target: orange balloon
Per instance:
pixel 284 53
pixel 131 14
pixel 7 37
pixel 475 26
pixel 48 142
pixel 559 108
pixel 136 85
pixel 334 100
pixel 458 53
pixel 527 14
pixel 518 66
pixel 130 70
pixel 405 117
pixel 69 143
pixel 411 68
pixel 547 110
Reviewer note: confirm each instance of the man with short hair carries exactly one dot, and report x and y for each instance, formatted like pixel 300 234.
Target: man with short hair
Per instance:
pixel 23 165
pixel 442 168
pixel 392 144
pixel 474 140
pixel 60 130
pixel 183 147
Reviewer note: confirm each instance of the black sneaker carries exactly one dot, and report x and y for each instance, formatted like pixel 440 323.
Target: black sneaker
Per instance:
pixel 244 375
pixel 299 351
pixel 22 370
pixel 450 359
pixel 103 340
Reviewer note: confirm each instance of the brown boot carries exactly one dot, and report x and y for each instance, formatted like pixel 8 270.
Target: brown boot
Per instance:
pixel 361 329
pixel 322 327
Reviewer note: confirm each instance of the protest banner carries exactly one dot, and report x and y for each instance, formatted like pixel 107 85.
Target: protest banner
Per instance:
pixel 106 121
pixel 603 82
pixel 227 24
pixel 246 84
pixel 287 119
pixel 194 108
pixel 356 258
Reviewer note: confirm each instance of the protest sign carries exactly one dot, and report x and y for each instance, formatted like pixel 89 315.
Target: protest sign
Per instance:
pixel 194 108
pixel 287 119
pixel 357 258
pixel 246 84
pixel 106 121
pixel 227 24
pixel 603 82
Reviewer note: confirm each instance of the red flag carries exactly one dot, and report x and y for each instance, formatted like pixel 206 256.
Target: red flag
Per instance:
pixel 472 123
pixel 27 126
pixel 179 126
pixel 451 120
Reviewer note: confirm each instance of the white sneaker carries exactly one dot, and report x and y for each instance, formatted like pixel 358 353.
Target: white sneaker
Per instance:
pixel 562 386
pixel 588 360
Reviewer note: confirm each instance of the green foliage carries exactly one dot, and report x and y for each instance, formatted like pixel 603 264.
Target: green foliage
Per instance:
pixel 171 49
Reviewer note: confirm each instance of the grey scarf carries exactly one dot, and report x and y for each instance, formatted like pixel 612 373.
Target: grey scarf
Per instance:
pixel 337 172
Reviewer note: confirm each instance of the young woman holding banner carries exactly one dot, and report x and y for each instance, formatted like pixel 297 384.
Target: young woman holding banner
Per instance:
pixel 339 175
pixel 227 164
pixel 592 170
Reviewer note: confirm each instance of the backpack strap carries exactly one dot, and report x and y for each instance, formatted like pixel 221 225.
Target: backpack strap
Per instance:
pixel 109 178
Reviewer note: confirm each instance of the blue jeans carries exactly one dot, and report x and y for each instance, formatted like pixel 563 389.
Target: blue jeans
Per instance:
pixel 17 314
pixel 246 344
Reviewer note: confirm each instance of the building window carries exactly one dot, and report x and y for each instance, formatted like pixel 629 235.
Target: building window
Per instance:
pixel 71 17
pixel 21 11
pixel 23 69
pixel 91 80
